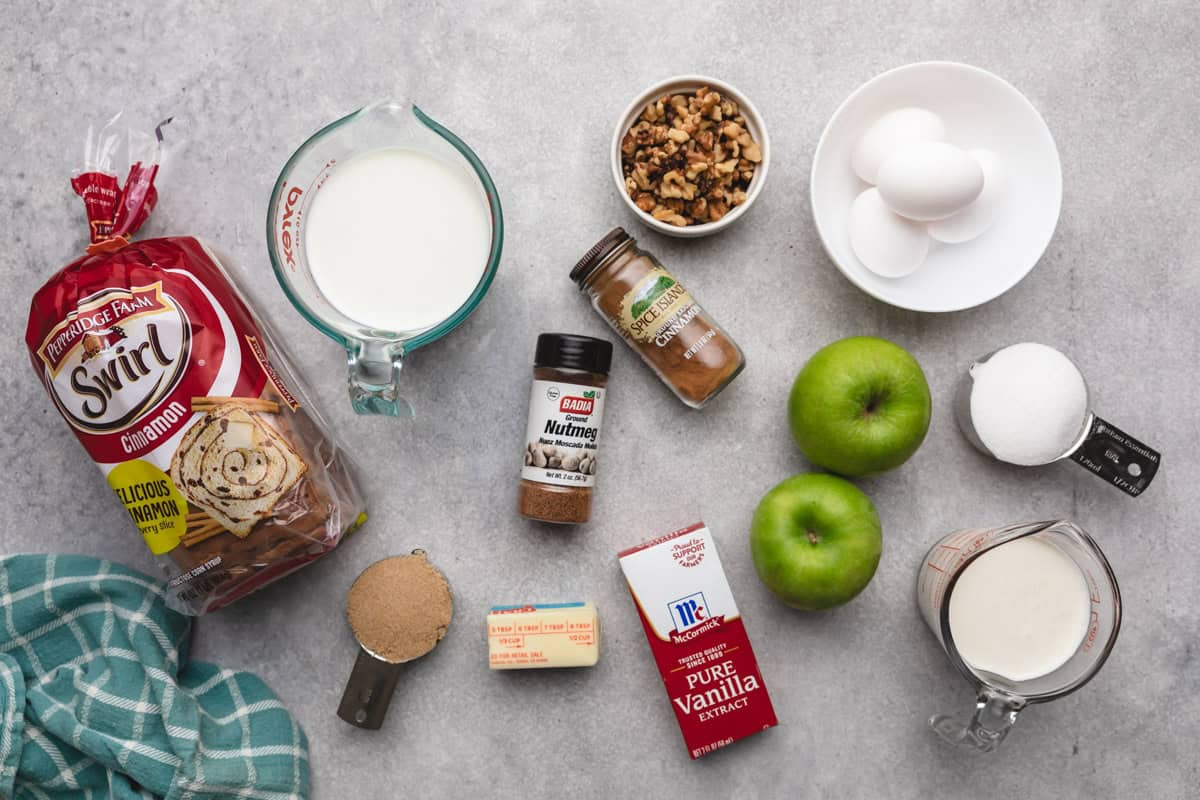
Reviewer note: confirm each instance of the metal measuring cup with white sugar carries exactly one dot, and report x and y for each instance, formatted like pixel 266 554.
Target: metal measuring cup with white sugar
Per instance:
pixel 1028 404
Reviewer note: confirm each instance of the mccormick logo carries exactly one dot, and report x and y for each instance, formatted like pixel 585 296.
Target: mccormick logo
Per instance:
pixel 116 357
pixel 688 612
pixel 692 618
pixel 578 405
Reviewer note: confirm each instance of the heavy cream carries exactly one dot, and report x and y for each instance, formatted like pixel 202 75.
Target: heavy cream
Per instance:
pixel 397 239
pixel 1020 610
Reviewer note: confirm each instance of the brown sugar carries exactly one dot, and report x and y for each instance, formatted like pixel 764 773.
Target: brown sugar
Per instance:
pixel 399 608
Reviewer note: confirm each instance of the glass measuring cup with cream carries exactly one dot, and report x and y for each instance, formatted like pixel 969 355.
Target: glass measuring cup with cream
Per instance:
pixel 1027 613
pixel 385 232
pixel 1028 404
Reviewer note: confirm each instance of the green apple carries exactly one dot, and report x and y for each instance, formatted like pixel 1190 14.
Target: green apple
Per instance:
pixel 859 406
pixel 815 540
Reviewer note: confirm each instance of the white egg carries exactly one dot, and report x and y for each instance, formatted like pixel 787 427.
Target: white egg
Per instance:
pixel 887 244
pixel 929 180
pixel 891 131
pixel 977 217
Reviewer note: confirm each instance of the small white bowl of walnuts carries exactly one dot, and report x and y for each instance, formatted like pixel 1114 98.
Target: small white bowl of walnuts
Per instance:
pixel 690 155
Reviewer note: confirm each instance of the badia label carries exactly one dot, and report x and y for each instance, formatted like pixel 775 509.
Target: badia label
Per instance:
pixel 657 309
pixel 564 426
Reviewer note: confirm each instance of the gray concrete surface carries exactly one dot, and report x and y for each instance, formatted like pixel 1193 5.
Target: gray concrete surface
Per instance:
pixel 535 90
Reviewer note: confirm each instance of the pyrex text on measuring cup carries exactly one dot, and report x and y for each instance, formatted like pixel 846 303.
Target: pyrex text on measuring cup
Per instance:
pixel 1027 613
pixel 385 232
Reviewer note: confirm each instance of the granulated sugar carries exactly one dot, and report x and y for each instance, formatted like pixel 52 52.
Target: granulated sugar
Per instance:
pixel 1029 404
pixel 400 608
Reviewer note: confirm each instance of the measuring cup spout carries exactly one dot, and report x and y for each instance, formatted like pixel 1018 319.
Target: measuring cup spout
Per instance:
pixel 374 370
pixel 995 714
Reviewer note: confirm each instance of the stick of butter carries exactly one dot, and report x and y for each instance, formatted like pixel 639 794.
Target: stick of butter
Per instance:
pixel 543 635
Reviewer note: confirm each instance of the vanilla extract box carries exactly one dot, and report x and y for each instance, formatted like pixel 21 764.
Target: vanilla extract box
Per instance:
pixel 698 639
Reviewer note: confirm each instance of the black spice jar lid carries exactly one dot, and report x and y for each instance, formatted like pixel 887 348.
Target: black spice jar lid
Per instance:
pixel 600 251
pixel 569 351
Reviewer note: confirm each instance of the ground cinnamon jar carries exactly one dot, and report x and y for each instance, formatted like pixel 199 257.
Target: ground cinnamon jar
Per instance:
pixel 566 408
pixel 658 318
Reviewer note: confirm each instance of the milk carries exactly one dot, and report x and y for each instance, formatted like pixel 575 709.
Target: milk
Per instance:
pixel 397 239
pixel 1020 610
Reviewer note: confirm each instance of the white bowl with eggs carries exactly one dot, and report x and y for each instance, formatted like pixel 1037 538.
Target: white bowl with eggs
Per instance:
pixel 1005 136
pixel 684 84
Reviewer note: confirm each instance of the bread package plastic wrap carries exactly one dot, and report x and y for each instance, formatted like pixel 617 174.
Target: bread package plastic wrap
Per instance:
pixel 183 400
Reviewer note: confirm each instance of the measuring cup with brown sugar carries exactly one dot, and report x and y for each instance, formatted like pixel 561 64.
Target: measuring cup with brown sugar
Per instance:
pixel 399 609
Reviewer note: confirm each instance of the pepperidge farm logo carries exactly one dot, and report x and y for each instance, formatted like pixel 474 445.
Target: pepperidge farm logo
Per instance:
pixel 688 612
pixel 116 356
pixel 583 406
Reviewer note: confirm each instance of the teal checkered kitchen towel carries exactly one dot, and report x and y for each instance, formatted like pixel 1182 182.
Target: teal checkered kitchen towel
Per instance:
pixel 98 699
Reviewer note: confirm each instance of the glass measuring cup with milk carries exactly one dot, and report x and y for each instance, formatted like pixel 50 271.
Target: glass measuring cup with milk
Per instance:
pixel 1027 613
pixel 385 231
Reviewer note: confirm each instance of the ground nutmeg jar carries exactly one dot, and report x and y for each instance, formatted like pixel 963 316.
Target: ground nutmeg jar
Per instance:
pixel 658 318
pixel 566 408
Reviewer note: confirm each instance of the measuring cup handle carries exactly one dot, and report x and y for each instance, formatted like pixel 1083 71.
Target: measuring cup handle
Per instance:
pixel 369 691
pixel 375 380
pixel 995 714
pixel 1117 457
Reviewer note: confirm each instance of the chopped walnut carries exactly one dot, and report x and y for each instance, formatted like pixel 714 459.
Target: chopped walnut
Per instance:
pixel 689 158
pixel 641 177
pixel 674 185
pixel 664 214
pixel 628 144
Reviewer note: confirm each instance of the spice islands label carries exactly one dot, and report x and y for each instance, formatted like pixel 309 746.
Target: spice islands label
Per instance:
pixel 656 309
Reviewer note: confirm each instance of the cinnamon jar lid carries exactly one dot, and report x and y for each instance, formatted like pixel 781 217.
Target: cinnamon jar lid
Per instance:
pixel 570 351
pixel 600 251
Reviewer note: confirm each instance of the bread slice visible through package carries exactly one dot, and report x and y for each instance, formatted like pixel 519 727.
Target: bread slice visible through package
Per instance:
pixel 235 467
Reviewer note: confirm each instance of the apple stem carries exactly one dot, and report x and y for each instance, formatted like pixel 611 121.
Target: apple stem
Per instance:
pixel 874 401
pixel 812 537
